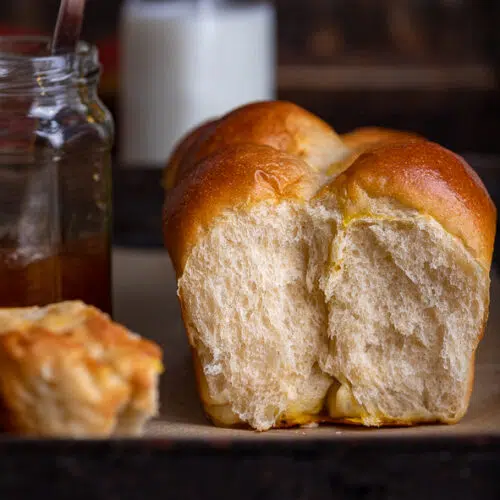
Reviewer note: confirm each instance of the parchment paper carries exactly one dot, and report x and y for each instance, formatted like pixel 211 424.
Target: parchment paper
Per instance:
pixel 145 301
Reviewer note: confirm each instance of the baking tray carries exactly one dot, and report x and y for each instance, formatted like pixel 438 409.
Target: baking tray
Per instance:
pixel 183 456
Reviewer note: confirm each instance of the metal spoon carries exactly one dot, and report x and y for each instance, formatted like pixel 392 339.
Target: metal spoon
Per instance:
pixel 68 26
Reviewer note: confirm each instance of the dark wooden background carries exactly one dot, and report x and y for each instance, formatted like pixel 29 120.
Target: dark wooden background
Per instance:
pixel 427 65
pixel 432 66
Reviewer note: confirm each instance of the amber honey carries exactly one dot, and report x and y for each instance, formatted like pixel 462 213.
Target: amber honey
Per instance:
pixel 78 270
pixel 56 138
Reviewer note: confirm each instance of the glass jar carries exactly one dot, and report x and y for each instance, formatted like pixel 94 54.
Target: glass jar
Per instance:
pixel 55 176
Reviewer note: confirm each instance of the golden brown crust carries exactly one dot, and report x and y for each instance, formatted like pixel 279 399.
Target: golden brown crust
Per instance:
pixel 67 369
pixel 365 137
pixel 237 176
pixel 183 152
pixel 431 179
pixel 278 124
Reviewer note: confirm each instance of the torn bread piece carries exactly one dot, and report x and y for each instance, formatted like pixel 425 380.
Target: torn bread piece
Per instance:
pixel 68 370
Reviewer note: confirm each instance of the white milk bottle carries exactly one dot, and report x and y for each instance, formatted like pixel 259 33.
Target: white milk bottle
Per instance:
pixel 183 62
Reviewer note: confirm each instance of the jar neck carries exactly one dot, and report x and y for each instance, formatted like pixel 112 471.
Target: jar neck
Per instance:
pixel 36 78
pixel 27 69
pixel 88 68
pixel 89 84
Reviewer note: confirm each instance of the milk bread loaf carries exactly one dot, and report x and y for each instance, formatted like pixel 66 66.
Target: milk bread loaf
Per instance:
pixel 318 288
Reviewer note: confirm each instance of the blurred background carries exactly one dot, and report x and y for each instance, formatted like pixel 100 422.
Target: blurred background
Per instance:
pixel 432 66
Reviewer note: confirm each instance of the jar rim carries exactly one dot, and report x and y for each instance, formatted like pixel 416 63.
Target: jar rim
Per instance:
pixel 34 50
pixel 28 57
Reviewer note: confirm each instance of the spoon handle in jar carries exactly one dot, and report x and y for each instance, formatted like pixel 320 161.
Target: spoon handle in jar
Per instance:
pixel 68 26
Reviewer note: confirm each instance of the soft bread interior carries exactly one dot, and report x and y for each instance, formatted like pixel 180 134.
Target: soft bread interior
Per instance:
pixel 68 370
pixel 255 323
pixel 294 312
pixel 404 302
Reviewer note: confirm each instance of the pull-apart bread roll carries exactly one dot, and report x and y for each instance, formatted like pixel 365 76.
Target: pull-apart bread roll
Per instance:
pixel 68 370
pixel 281 125
pixel 363 139
pixel 358 299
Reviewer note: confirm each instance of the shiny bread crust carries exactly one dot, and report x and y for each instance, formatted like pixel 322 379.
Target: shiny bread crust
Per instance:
pixel 365 137
pixel 183 153
pixel 279 124
pixel 234 178
pixel 68 370
pixel 427 177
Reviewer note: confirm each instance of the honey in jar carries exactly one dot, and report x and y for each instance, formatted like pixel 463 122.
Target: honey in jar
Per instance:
pixel 55 177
